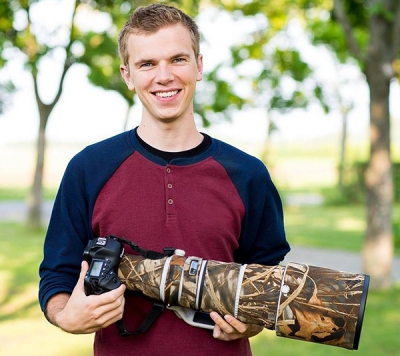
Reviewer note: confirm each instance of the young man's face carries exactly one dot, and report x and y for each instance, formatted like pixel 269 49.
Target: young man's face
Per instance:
pixel 163 71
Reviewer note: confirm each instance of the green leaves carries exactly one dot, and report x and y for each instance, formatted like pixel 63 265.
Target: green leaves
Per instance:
pixel 6 90
pixel 274 63
pixel 378 9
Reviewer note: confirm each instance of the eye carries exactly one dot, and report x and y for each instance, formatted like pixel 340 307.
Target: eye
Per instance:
pixel 146 65
pixel 179 60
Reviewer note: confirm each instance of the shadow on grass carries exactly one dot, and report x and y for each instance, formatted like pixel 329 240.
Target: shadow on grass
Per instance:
pixel 22 311
pixel 20 255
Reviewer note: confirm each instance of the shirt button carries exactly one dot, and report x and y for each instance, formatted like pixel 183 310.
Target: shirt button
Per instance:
pixel 169 185
pixel 168 170
pixel 170 201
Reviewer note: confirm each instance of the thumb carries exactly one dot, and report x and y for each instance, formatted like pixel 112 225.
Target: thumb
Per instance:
pixel 84 267
pixel 81 282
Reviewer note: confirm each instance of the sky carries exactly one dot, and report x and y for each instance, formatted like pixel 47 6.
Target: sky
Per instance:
pixel 87 114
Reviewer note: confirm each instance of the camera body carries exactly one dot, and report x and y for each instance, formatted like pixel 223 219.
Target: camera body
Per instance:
pixel 103 255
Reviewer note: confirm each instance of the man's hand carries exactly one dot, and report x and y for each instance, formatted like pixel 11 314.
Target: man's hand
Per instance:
pixel 82 314
pixel 228 328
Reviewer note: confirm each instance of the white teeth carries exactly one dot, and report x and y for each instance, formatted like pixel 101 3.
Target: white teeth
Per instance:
pixel 167 94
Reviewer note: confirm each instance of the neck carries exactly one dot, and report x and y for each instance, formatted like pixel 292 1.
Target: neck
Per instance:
pixel 170 137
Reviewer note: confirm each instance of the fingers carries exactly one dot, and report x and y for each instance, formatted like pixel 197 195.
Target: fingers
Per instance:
pixel 86 314
pixel 114 294
pixel 221 323
pixel 105 310
pixel 109 303
pixel 229 328
pixel 236 324
pixel 222 329
pixel 115 314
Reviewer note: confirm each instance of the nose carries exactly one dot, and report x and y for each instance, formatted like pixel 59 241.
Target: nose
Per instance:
pixel 164 74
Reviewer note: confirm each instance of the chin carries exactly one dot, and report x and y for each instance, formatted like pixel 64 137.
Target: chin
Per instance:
pixel 170 117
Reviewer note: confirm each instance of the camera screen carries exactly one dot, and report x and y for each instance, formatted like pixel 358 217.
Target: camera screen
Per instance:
pixel 96 268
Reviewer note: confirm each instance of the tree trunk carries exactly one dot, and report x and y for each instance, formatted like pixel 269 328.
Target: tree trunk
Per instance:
pixel 127 116
pixel 35 198
pixel 343 141
pixel 378 245
pixel 266 148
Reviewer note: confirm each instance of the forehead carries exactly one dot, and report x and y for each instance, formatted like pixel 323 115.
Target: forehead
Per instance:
pixel 166 41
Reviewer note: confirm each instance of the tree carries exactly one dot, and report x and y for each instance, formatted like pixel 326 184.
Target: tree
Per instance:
pixel 101 57
pixel 23 36
pixel 6 91
pixel 368 31
pixel 279 79
pixel 22 30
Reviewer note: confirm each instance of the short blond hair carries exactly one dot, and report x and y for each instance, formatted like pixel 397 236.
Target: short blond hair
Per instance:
pixel 150 19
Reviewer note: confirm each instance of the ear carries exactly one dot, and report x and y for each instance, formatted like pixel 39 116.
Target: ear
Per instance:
pixel 199 68
pixel 126 76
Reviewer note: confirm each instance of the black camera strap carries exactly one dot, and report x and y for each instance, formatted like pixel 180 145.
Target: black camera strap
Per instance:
pixel 158 306
pixel 152 255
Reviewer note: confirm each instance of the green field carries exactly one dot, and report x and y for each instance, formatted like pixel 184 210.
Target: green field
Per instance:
pixel 23 329
pixel 332 227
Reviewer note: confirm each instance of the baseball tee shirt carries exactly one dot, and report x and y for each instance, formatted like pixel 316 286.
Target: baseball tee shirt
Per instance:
pixel 218 203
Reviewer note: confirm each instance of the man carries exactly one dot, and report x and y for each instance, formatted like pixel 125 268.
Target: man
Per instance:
pixel 162 184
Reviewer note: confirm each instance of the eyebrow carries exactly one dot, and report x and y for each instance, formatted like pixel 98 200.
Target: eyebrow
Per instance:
pixel 151 60
pixel 181 54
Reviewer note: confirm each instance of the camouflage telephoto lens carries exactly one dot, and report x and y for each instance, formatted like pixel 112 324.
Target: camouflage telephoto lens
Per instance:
pixel 298 301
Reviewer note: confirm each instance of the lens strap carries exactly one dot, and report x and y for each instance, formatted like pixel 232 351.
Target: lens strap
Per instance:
pixel 151 255
pixel 158 308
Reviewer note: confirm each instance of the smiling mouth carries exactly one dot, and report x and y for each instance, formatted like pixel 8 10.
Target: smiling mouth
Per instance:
pixel 166 94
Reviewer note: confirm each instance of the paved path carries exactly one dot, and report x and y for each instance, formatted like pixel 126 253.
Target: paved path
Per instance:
pixel 333 259
pixel 17 211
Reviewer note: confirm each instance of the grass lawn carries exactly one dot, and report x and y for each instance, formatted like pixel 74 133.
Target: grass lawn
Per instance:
pixel 23 329
pixel 332 227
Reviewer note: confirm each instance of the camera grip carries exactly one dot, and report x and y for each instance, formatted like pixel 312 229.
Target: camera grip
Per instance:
pixel 103 256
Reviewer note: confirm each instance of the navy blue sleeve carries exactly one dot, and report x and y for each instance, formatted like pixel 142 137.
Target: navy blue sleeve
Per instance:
pixel 262 239
pixel 70 224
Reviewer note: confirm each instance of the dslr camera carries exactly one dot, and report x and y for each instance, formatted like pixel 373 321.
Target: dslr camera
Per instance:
pixel 103 255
